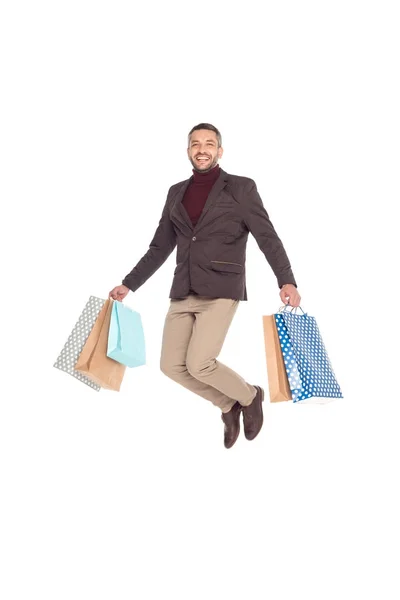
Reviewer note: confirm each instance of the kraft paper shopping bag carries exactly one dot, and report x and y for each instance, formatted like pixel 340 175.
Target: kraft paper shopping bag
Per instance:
pixel 278 384
pixel 93 361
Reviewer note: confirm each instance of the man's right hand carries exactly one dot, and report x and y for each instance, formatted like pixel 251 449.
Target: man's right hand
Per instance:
pixel 119 293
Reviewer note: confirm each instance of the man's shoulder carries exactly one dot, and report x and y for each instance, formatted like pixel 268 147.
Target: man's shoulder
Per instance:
pixel 176 186
pixel 239 181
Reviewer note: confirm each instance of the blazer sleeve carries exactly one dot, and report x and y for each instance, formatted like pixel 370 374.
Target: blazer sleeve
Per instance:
pixel 161 246
pixel 258 223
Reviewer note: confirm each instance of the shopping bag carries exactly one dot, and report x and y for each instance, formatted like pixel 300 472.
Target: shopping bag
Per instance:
pixel 278 383
pixel 309 370
pixel 73 347
pixel 126 342
pixel 93 360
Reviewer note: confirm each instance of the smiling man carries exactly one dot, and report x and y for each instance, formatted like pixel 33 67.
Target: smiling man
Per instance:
pixel 208 217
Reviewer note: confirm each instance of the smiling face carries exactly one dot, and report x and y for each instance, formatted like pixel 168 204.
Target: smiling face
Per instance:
pixel 203 151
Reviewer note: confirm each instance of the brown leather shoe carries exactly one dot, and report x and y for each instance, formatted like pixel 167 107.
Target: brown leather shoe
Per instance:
pixel 253 415
pixel 232 424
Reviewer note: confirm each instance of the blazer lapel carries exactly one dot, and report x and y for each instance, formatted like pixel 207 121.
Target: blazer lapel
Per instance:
pixel 179 212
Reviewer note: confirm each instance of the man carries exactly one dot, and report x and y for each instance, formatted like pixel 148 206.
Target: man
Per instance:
pixel 208 217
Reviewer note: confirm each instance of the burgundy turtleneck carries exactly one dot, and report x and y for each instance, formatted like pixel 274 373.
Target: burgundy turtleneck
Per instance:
pixel 197 192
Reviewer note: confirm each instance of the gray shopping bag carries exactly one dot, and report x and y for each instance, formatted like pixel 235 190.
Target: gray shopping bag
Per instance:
pixel 77 339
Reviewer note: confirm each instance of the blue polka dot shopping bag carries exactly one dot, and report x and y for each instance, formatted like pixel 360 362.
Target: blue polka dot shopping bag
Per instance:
pixel 308 368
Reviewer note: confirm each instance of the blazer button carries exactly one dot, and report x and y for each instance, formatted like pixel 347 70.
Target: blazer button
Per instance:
pixel 194 239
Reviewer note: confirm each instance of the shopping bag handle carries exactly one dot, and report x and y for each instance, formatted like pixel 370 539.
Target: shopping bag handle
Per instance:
pixel 293 308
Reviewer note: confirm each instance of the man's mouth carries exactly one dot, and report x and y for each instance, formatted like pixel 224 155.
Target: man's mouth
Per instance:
pixel 202 159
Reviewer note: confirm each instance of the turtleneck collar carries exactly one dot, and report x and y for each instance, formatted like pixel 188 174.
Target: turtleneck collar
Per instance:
pixel 206 177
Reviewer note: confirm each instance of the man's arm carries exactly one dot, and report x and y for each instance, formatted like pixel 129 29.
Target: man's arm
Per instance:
pixel 260 226
pixel 161 246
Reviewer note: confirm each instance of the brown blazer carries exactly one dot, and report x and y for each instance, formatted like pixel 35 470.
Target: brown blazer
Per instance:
pixel 211 256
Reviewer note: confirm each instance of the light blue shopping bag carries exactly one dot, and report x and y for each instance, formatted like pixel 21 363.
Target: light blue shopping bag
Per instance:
pixel 309 370
pixel 126 342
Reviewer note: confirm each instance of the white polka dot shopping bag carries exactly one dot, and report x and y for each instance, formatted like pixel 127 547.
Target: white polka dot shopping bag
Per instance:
pixel 77 339
pixel 309 370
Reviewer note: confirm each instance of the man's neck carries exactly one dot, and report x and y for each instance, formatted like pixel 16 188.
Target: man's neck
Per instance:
pixel 200 176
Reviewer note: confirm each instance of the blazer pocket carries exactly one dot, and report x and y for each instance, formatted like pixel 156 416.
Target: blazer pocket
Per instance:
pixel 227 267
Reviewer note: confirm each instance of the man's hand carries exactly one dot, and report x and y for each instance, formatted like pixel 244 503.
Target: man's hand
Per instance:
pixel 289 295
pixel 119 293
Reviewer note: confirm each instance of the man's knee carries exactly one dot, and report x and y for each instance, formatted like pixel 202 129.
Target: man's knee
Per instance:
pixel 170 370
pixel 200 369
pixel 166 368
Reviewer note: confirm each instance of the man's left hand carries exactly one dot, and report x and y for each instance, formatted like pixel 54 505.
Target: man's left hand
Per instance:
pixel 289 295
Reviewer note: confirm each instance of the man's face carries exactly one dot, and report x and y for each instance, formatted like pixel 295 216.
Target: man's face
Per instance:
pixel 203 151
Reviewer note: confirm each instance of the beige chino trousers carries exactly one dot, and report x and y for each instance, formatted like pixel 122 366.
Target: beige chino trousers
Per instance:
pixel 194 332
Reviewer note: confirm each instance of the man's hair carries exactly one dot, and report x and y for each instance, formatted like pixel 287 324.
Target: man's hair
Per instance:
pixel 206 126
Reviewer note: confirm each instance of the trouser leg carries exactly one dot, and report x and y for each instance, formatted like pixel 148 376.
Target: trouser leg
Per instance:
pixel 194 332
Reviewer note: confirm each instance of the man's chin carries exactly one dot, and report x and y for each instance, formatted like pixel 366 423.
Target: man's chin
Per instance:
pixel 203 169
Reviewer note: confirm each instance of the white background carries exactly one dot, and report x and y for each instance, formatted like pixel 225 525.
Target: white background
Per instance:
pixel 133 495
